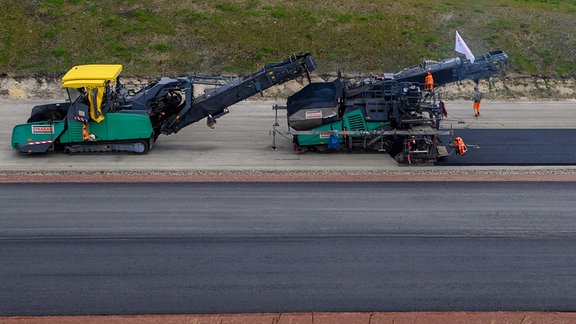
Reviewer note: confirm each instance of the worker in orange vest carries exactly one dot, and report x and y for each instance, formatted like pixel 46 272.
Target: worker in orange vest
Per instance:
pixel 477 99
pixel 461 148
pixel 429 82
pixel 412 144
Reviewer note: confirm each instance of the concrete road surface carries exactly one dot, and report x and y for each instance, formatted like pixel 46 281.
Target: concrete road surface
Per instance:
pixel 242 142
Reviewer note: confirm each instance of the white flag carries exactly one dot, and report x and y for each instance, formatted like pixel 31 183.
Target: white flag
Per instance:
pixel 461 47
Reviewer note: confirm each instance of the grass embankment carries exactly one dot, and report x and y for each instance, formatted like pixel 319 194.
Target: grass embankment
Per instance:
pixel 158 37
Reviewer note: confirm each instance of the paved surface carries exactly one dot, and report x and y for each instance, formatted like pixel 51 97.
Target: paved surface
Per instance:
pixel 163 248
pixel 241 142
pixel 516 147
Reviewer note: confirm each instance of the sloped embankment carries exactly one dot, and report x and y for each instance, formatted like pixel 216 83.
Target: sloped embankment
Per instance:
pixel 509 88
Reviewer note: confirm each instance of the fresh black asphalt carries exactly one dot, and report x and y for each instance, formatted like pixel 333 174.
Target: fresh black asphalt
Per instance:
pixel 520 147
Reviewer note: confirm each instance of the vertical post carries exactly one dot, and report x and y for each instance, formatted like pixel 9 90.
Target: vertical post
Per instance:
pixel 275 107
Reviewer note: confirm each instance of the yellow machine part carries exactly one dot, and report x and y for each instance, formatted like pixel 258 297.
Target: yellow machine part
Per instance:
pixel 94 75
pixel 93 78
pixel 95 96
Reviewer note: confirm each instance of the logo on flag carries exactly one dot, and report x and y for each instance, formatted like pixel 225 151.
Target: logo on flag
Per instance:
pixel 461 47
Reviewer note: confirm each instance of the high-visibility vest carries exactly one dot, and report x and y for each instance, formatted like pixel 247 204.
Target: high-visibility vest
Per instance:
pixel 429 82
pixel 461 147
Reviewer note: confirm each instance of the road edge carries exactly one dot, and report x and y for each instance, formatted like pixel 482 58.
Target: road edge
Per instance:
pixel 311 317
pixel 173 177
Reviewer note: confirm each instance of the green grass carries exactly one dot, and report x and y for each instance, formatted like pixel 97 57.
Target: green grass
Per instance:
pixel 160 37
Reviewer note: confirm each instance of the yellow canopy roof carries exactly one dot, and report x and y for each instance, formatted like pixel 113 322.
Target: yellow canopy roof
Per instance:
pixel 91 75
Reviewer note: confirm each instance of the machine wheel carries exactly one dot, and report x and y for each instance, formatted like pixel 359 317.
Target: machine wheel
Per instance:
pixel 321 149
pixel 136 147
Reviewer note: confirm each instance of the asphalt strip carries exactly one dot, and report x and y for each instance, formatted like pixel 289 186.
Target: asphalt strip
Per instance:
pixel 312 318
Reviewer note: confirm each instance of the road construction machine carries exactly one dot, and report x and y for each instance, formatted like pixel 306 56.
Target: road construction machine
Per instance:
pixel 397 113
pixel 102 115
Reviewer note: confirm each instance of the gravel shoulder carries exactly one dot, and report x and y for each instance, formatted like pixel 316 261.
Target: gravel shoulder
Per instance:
pixel 487 176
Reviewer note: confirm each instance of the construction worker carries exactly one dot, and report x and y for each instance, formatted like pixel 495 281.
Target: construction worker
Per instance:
pixel 412 144
pixel 429 82
pixel 477 99
pixel 85 133
pixel 461 148
pixel 442 106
